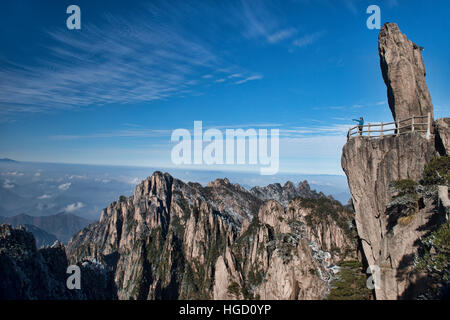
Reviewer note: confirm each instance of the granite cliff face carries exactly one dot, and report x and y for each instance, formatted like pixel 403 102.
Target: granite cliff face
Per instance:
pixel 172 240
pixel 371 166
pixel 394 208
pixel 287 253
pixel 403 72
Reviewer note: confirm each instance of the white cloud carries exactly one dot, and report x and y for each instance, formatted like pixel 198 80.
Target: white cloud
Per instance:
pixel 306 131
pixel 134 181
pixel 37 174
pixel 234 75
pixel 115 59
pixel 76 177
pixel 102 180
pixel 7 184
pixel 44 196
pixel 251 78
pixel 263 20
pixel 73 207
pixel 15 173
pixel 143 133
pixel 64 186
pixel 308 39
pixel 282 35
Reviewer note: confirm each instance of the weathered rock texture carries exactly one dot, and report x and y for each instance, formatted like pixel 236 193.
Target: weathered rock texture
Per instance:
pixel 286 253
pixel 404 74
pixel 29 274
pixel 371 165
pixel 173 240
pixel 283 194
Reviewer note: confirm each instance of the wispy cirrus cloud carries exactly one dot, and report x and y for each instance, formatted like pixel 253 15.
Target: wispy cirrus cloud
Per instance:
pixel 286 132
pixel 308 39
pixel 153 133
pixel 136 133
pixel 116 63
pixel 261 20
pixel 122 60
pixel 251 78
pixel 318 130
pixel 281 35
pixel 142 56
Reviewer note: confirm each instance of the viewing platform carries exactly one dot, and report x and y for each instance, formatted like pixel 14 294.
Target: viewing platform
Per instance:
pixel 421 124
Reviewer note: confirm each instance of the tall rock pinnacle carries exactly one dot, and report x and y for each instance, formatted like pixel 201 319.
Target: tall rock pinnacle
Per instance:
pixel 404 74
pixel 391 235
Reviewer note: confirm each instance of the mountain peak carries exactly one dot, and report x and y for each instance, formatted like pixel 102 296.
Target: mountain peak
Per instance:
pixel 219 182
pixel 403 72
pixel 188 230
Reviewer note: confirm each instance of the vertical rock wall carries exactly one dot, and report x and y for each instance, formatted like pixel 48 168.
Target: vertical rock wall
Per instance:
pixel 403 72
pixel 372 164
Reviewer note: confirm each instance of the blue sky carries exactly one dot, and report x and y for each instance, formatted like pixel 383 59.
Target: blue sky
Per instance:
pixel 112 92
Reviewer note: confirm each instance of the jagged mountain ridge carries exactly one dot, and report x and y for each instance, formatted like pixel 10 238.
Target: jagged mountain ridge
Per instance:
pixel 287 192
pixel 173 240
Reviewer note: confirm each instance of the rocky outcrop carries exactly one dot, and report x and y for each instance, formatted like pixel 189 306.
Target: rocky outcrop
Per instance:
pixel 393 210
pixel 371 166
pixel 403 72
pixel 284 254
pixel 284 194
pixel 28 274
pixel 172 240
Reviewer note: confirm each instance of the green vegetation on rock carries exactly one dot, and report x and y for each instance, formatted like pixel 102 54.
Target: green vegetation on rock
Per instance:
pixel 436 172
pixel 234 289
pixel 324 208
pixel 404 201
pixel 435 256
pixel 350 283
pixel 407 193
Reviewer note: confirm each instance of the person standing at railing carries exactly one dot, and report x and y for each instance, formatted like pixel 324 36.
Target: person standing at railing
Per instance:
pixel 360 125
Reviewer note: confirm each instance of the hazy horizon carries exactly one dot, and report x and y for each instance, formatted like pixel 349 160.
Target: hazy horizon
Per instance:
pixel 49 188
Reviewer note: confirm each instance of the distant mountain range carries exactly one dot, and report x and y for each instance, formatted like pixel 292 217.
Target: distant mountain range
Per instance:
pixel 61 226
pixel 42 237
pixel 8 160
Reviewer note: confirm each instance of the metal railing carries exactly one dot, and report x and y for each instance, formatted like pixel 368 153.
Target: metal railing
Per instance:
pixel 421 124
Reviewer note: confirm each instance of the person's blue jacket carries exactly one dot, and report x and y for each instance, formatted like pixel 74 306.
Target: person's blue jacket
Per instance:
pixel 360 121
